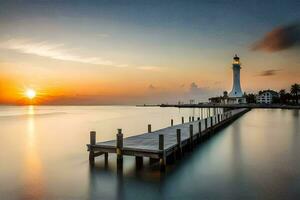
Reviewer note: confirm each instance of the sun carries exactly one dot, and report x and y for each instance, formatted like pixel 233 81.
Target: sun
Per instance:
pixel 30 93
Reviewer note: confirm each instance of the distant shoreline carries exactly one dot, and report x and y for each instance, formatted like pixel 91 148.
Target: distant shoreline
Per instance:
pixel 267 106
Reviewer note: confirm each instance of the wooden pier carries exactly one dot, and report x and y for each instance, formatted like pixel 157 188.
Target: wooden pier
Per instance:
pixel 161 144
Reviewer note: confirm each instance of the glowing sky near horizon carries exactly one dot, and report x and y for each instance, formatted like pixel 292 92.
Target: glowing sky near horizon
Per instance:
pixel 130 51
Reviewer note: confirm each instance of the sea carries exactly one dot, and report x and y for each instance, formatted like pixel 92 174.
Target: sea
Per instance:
pixel 43 155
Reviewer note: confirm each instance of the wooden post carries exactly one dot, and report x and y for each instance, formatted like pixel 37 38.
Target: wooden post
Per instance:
pixel 193 118
pixel 189 118
pixel 119 149
pixel 92 142
pixel 178 132
pixel 106 158
pixel 162 159
pixel 172 122
pixel 139 162
pixel 199 132
pixel 182 120
pixel 149 128
pixel 211 125
pixel 191 136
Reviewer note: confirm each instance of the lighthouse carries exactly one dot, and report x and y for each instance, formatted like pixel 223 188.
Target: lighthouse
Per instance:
pixel 236 96
pixel 236 86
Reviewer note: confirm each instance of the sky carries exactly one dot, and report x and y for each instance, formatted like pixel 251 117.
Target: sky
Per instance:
pixel 138 51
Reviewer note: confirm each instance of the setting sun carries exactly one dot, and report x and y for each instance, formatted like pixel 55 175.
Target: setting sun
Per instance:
pixel 30 93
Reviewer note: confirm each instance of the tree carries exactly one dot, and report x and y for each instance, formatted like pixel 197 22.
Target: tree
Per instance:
pixel 288 97
pixel 295 89
pixel 275 99
pixel 250 98
pixel 282 96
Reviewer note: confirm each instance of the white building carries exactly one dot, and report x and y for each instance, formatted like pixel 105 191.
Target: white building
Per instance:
pixel 266 97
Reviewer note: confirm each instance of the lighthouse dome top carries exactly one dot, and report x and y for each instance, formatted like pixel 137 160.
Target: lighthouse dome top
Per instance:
pixel 236 58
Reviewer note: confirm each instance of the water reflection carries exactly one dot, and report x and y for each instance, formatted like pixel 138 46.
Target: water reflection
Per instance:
pixel 256 157
pixel 108 182
pixel 33 173
pixel 236 150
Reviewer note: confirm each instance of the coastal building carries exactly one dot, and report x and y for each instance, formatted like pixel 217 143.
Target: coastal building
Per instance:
pixel 236 95
pixel 266 97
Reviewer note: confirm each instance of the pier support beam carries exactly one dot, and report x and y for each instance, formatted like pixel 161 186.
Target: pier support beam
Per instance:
pixel 211 131
pixel 92 142
pixel 162 160
pixel 106 158
pixel 139 162
pixel 119 149
pixel 191 136
pixel 199 132
pixel 179 153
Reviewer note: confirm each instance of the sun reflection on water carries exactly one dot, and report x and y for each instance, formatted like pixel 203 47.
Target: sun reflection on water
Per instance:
pixel 33 171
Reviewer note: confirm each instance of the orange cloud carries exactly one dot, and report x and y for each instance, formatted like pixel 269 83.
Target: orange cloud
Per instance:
pixel 279 39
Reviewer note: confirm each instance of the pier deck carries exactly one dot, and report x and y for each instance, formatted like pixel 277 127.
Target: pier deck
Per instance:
pixel 165 142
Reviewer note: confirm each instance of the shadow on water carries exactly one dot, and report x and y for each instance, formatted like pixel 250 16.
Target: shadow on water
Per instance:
pixel 108 182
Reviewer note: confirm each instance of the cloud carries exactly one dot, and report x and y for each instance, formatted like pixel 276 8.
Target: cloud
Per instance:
pixel 54 51
pixel 151 87
pixel 195 89
pixel 150 68
pixel 200 93
pixel 270 72
pixel 280 38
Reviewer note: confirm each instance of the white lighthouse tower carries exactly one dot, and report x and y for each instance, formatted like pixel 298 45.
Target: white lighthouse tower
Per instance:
pixel 236 94
pixel 236 86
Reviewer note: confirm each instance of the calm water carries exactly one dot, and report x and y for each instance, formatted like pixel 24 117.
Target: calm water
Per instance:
pixel 43 156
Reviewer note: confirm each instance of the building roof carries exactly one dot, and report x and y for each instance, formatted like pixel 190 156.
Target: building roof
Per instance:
pixel 270 91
